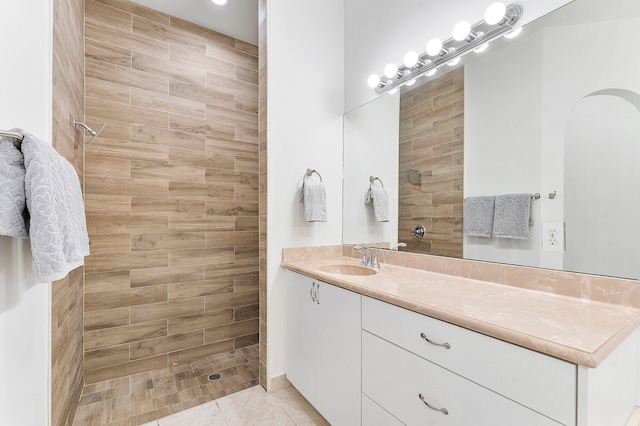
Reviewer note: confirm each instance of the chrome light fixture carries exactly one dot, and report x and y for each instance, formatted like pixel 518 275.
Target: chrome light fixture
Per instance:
pixel 498 20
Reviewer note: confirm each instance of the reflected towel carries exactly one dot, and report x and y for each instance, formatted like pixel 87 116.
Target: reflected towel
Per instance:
pixel 12 195
pixel 58 230
pixel 380 201
pixel 314 198
pixel 478 216
pixel 512 216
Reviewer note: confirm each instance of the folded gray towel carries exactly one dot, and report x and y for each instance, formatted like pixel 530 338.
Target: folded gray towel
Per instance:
pixel 12 196
pixel 58 230
pixel 512 216
pixel 477 216
pixel 378 197
pixel 314 198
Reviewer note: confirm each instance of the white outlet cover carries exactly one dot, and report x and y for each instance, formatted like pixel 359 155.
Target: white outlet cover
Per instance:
pixel 552 238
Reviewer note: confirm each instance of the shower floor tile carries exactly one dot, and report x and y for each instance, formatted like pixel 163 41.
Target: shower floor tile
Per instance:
pixel 145 397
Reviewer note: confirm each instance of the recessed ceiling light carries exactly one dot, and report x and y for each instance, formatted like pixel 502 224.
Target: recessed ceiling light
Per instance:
pixel 220 2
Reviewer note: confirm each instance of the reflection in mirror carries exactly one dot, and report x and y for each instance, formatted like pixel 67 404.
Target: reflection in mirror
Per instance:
pixel 556 110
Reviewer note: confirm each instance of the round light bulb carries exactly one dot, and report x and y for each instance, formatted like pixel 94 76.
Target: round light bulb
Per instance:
pixel 513 33
pixel 391 70
pixel 410 59
pixel 220 2
pixel 411 82
pixel 481 48
pixel 393 91
pixel 461 30
pixel 494 13
pixel 454 62
pixel 373 80
pixel 434 46
pixel 431 72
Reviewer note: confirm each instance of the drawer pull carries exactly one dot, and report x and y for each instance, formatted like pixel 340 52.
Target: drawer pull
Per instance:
pixel 318 293
pixel 311 291
pixel 442 410
pixel 444 345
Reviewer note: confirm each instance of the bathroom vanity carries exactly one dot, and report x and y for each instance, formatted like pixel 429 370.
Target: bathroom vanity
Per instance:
pixel 405 345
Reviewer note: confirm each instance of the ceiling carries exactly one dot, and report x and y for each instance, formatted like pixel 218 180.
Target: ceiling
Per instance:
pixel 239 19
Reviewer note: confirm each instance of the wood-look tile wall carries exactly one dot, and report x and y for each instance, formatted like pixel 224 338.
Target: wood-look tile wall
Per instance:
pixel 66 294
pixel 171 190
pixel 262 128
pixel 432 140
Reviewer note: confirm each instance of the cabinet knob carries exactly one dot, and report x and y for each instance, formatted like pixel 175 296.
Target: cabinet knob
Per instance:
pixel 442 410
pixel 444 345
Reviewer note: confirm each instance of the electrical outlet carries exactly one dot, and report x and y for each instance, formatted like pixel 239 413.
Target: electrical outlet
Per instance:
pixel 553 236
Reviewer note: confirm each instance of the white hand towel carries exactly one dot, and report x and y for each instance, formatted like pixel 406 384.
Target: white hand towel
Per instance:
pixel 380 202
pixel 58 230
pixel 314 198
pixel 478 216
pixel 512 216
pixel 12 195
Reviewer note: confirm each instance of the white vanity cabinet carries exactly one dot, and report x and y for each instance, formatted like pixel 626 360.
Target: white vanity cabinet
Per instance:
pixel 323 347
pixel 475 378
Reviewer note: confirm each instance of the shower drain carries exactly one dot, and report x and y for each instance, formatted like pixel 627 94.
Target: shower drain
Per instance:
pixel 214 376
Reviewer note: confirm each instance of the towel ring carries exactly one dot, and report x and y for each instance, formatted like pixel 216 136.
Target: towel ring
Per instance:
pixel 373 178
pixel 311 171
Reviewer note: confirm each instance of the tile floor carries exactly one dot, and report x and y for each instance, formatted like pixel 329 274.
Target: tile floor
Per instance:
pixel 141 398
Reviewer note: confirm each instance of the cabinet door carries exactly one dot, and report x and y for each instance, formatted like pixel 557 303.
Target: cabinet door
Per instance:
pixel 338 355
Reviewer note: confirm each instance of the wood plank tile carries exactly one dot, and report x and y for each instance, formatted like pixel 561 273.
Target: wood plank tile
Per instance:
pixel 171 70
pixel 126 187
pixel 209 128
pixel 190 157
pixel 246 75
pixel 200 288
pixel 167 241
pixel 166 344
pixel 109 167
pixel 169 172
pixel 121 112
pixel 202 61
pixel 200 256
pixel 230 331
pixel 230 147
pixel 107 243
pixel 201 223
pixel 137 9
pixel 200 191
pixel 119 335
pixel 107 53
pixel 246 134
pixel 246 104
pixel 246 47
pixel 246 253
pixel 232 116
pixel 168 138
pixel 106 281
pixel 114 130
pixel 246 223
pixel 125 76
pixel 102 89
pixel 166 207
pixel 160 311
pixel 216 176
pixel 246 193
pixel 246 283
pixel 105 357
pixel 248 340
pixel 125 39
pixel 106 318
pixel 209 35
pixel 168 275
pixel 199 321
pixel 230 239
pixel 125 224
pixel 245 313
pixel 230 300
pixel 208 95
pixel 230 54
pixel 231 269
pixel 125 369
pixel 107 15
pixel 160 101
pixel 124 298
pixel 125 261
pixel 199 352
pixel 167 34
pixel 232 86
pixel 107 205
pixel 231 208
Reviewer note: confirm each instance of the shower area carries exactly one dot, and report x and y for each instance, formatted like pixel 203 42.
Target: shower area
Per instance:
pixel 169 294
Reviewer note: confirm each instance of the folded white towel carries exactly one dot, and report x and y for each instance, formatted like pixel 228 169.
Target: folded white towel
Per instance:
pixel 380 202
pixel 314 198
pixel 12 196
pixel 58 230
pixel 478 216
pixel 512 216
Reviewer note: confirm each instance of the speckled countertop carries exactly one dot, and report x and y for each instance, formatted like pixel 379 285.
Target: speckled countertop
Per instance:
pixel 581 321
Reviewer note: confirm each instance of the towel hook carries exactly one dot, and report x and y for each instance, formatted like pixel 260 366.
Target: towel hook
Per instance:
pixel 93 133
pixel 312 171
pixel 372 178
pixel 552 195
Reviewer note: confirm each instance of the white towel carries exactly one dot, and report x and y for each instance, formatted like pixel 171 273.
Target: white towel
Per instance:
pixel 12 195
pixel 314 198
pixel 512 216
pixel 478 216
pixel 58 230
pixel 380 201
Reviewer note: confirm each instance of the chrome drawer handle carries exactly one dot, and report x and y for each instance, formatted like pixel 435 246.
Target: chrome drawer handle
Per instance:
pixel 442 410
pixel 313 286
pixel 318 293
pixel 445 344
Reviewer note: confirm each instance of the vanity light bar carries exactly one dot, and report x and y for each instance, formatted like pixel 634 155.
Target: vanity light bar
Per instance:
pixel 476 37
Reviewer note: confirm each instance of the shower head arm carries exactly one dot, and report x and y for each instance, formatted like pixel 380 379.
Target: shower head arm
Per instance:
pixel 93 133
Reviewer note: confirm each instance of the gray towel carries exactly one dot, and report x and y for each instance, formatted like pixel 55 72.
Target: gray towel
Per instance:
pixel 478 216
pixel 58 230
pixel 12 196
pixel 314 198
pixel 512 216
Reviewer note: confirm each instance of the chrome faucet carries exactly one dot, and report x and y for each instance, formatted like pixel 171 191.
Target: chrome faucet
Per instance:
pixel 395 246
pixel 367 259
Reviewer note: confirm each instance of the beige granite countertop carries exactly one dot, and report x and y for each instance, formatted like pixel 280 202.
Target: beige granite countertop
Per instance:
pixel 577 328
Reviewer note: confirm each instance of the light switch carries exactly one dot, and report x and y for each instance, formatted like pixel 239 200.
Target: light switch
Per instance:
pixel 553 236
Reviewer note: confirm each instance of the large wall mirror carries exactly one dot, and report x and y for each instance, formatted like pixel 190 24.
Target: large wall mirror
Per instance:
pixel 554 112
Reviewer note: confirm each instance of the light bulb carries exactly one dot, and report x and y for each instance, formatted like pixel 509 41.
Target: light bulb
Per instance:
pixel 373 80
pixel 454 62
pixel 410 59
pixel 461 30
pixel 434 46
pixel 494 13
pixel 513 33
pixel 393 91
pixel 220 2
pixel 481 48
pixel 391 70
pixel 431 72
pixel 411 82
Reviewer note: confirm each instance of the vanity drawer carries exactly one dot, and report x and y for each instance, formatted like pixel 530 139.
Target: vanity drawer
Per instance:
pixel 375 415
pixel 395 379
pixel 536 380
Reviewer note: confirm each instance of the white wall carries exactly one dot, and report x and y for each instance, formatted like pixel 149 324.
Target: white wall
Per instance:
pixel 25 317
pixel 305 44
pixel 373 135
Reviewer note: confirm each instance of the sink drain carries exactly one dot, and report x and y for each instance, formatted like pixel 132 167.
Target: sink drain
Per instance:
pixel 214 377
